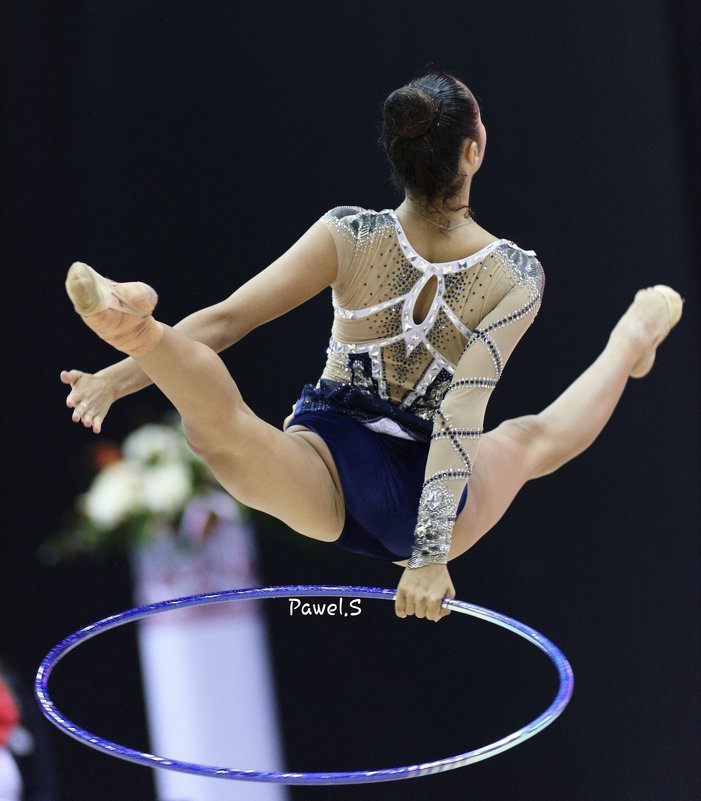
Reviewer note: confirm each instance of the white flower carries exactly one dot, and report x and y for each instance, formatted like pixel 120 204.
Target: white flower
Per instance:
pixel 114 495
pixel 165 488
pixel 153 443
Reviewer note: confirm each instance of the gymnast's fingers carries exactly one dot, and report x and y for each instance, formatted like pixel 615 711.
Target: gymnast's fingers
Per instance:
pixel 443 612
pixel 79 412
pixel 97 424
pixel 70 376
pixel 420 605
pixel 400 604
pixel 73 399
pixel 449 593
pixel 433 609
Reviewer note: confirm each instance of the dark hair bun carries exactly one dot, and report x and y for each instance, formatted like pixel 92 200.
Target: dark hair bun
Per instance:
pixel 409 112
pixel 425 126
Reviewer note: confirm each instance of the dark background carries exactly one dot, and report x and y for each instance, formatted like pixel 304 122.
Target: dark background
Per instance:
pixel 188 144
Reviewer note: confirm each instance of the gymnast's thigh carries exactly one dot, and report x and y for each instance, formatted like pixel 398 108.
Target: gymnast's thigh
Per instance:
pixel 502 467
pixel 289 475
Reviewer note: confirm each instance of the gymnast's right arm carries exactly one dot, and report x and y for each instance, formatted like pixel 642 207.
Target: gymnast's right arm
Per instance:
pixel 303 271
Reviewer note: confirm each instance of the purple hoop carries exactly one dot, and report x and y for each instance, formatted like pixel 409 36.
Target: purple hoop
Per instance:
pixel 348 777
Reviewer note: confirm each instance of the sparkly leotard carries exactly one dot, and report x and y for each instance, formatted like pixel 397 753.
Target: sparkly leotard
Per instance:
pixel 420 379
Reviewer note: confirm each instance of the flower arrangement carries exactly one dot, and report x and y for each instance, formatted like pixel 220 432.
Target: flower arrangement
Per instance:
pixel 140 490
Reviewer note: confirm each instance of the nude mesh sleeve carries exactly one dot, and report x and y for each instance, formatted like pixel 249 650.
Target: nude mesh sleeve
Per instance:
pixel 458 422
pixel 342 224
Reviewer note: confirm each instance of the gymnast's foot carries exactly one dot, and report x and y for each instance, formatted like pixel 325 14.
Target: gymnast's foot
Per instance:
pixel 652 315
pixel 118 313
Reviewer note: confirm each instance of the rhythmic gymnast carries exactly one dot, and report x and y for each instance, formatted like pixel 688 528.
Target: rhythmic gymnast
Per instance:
pixel 428 306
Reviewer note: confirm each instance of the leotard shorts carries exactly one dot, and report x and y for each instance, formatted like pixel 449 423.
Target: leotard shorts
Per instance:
pixel 381 477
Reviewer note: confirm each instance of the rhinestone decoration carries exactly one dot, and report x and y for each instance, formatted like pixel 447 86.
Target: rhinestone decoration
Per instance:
pixel 432 523
pixel 401 347
pixel 492 349
pixel 424 404
pixel 382 345
pixel 434 527
pixel 469 433
pixel 362 373
pixel 473 383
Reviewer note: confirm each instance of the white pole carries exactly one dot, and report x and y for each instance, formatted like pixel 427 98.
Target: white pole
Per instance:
pixel 206 670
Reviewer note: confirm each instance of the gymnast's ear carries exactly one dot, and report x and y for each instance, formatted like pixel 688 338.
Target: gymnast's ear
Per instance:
pixel 471 154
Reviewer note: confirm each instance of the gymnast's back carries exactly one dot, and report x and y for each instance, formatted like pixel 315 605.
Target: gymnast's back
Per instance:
pixel 401 322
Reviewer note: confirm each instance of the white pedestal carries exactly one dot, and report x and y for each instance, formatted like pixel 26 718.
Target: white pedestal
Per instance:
pixel 206 670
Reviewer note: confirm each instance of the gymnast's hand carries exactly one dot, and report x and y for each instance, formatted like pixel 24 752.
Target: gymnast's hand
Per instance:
pixel 421 591
pixel 90 397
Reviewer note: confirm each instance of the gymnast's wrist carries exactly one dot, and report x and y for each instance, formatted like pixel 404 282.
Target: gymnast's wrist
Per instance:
pixel 123 378
pixel 434 526
pixel 420 557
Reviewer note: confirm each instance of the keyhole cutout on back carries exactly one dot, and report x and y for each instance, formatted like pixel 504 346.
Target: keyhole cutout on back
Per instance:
pixel 425 300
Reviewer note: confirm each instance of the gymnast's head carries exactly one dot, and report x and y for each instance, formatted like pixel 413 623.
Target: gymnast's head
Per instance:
pixel 434 138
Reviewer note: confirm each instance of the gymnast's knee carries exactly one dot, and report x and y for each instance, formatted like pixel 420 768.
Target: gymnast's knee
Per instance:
pixel 536 442
pixel 209 439
pixel 525 431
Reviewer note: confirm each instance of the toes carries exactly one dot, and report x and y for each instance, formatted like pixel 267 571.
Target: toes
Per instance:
pixel 674 301
pixel 651 325
pixel 88 290
pixel 79 285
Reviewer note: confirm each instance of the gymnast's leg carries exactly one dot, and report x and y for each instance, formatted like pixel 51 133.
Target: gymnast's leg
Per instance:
pixel 529 447
pixel 288 475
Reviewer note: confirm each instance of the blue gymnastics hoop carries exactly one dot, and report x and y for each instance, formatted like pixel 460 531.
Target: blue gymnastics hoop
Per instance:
pixel 555 709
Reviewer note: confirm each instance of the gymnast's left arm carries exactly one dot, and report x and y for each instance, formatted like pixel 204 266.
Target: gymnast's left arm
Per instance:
pixel 304 270
pixel 457 428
